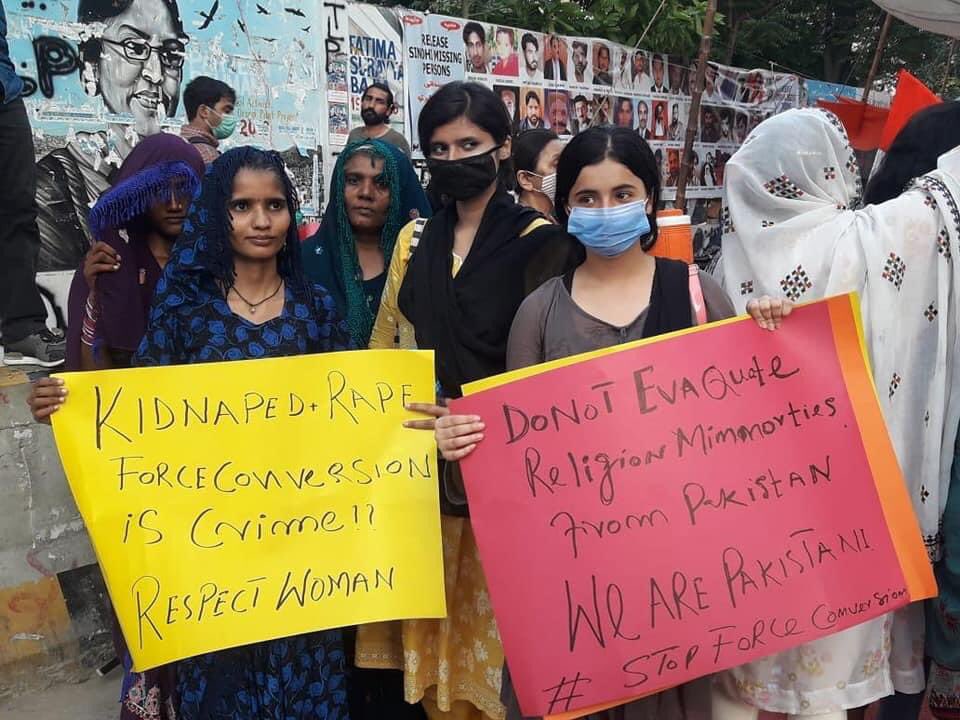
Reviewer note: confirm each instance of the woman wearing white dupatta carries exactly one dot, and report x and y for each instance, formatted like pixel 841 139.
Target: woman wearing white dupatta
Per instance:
pixel 790 230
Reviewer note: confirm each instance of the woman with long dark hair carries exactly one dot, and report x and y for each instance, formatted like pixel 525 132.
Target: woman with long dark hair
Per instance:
pixel 234 289
pixel 374 192
pixel 136 223
pixel 608 188
pixel 535 155
pixel 455 284
pixel 915 150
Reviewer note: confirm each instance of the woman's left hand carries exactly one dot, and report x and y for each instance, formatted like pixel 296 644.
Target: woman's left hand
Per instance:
pixel 769 312
pixel 434 411
pixel 458 435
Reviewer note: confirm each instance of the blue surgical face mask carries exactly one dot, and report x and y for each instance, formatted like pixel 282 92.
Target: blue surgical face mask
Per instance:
pixel 610 231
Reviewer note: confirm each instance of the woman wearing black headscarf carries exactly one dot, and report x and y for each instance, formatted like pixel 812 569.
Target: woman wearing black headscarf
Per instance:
pixel 455 284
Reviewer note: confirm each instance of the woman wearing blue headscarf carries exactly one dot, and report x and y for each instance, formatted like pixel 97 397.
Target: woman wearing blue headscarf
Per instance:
pixel 374 192
pixel 234 289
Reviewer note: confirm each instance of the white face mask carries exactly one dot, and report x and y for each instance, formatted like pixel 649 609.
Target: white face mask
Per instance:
pixel 548 185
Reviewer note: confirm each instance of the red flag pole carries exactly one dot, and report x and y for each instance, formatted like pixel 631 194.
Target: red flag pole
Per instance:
pixel 877 55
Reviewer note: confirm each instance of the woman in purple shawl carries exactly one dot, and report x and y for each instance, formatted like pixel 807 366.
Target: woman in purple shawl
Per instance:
pixel 138 219
pixel 136 223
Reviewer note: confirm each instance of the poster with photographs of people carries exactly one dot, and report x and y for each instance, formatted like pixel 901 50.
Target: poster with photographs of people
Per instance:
pixel 651 94
pixel 568 84
pixel 94 87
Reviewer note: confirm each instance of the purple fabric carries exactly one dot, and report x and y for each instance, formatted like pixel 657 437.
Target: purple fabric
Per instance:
pixel 76 304
pixel 124 296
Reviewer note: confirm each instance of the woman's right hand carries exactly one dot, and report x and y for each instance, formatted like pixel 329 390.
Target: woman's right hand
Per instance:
pixel 100 258
pixel 47 395
pixel 458 435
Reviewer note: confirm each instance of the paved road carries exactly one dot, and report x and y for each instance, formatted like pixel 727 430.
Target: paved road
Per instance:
pixel 95 699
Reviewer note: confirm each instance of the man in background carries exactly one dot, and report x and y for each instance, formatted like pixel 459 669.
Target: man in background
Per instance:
pixel 555 68
pixel 601 69
pixel 624 116
pixel 641 78
pixel 675 131
pixel 209 104
pixel 643 120
pixel 659 86
pixel 581 114
pixel 475 38
pixel 580 51
pixel 23 329
pixel 710 89
pixel 534 112
pixel 509 97
pixel 558 104
pixel 506 62
pixel 376 107
pixel 531 56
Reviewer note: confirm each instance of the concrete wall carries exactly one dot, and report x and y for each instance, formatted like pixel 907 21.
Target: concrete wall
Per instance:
pixel 54 624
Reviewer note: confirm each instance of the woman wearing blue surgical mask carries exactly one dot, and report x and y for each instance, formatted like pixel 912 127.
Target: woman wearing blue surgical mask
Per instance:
pixel 608 188
pixel 535 156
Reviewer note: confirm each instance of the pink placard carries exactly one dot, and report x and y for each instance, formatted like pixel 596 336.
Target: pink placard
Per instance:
pixel 671 510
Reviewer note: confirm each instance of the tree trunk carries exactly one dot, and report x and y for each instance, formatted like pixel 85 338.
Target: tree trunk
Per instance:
pixel 734 29
pixel 838 30
pixel 946 70
pixel 731 47
pixel 696 93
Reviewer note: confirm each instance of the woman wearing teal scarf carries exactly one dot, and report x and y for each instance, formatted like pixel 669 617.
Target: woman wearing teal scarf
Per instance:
pixel 374 192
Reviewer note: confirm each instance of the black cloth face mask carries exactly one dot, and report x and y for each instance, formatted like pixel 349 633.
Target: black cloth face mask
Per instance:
pixel 465 178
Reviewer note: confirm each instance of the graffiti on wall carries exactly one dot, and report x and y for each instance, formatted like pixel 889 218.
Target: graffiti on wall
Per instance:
pixel 101 74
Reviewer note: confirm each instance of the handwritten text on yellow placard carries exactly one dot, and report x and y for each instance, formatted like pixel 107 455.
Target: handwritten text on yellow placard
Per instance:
pixel 231 503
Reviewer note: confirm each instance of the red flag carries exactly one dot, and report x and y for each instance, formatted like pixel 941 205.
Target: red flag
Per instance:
pixel 911 97
pixel 864 123
pixel 870 127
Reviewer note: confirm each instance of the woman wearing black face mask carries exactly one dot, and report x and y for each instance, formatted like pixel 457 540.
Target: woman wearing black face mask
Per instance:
pixel 455 284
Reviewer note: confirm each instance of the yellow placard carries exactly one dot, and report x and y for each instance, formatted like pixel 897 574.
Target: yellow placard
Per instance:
pixel 231 503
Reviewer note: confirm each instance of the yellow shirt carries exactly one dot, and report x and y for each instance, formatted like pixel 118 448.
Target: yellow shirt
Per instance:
pixel 392 330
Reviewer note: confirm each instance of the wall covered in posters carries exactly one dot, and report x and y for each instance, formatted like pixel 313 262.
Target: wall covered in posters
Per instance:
pixel 376 55
pixel 568 84
pixel 102 74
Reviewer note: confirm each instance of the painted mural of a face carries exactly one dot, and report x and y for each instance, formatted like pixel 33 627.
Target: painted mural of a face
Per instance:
pixel 136 63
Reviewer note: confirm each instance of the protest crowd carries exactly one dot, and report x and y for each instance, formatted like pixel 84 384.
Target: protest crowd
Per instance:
pixel 533 242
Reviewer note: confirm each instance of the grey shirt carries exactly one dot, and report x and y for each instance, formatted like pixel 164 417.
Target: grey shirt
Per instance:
pixel 391 136
pixel 549 325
